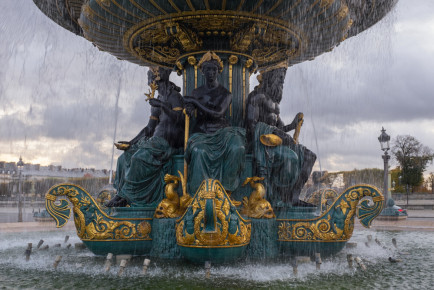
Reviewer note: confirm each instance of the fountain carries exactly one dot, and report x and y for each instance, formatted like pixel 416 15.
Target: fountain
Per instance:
pixel 211 217
pixel 80 268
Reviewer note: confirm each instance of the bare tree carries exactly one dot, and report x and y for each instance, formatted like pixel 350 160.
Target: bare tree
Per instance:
pixel 413 158
pixel 429 182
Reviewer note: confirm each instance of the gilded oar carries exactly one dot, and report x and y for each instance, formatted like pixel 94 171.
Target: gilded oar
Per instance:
pixel 186 135
pixel 298 128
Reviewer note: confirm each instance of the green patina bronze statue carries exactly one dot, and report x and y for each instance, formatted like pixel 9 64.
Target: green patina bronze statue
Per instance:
pixel 285 164
pixel 215 150
pixel 249 35
pixel 147 158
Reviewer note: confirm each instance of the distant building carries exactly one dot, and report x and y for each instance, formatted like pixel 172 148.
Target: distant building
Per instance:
pixel 37 180
pixel 36 171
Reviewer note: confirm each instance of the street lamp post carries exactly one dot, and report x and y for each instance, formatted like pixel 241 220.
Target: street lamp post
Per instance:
pixel 20 166
pixel 390 211
pixel 384 142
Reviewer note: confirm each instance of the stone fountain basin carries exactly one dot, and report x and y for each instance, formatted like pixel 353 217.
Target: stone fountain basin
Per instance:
pixel 165 32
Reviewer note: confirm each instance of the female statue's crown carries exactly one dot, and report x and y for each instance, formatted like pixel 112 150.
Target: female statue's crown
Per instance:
pixel 210 56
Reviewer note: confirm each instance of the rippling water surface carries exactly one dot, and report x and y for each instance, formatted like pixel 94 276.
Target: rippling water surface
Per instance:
pixel 81 269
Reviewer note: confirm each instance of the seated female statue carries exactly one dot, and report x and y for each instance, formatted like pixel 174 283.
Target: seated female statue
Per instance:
pixel 215 150
pixel 147 159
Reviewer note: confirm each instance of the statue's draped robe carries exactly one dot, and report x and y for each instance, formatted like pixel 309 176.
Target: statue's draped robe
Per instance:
pixel 141 170
pixel 218 155
pixel 280 165
pixel 214 150
pixel 123 165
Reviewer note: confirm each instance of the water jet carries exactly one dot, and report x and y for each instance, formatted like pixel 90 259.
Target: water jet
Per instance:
pixel 218 137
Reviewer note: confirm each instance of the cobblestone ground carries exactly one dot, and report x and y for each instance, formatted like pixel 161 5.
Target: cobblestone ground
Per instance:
pixel 10 214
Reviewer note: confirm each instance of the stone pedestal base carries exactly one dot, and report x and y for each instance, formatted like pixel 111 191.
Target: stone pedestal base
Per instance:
pixel 263 239
pixel 164 239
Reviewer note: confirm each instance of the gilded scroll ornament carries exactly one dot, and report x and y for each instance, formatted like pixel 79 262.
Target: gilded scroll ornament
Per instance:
pixel 324 198
pixel 186 34
pixel 157 34
pixel 186 37
pixel 272 54
pixel 103 197
pixel 192 60
pixel 233 59
pixel 212 220
pixel 248 63
pixel 343 12
pixel 91 221
pixel 243 39
pixel 179 65
pixel 337 223
pixel 159 53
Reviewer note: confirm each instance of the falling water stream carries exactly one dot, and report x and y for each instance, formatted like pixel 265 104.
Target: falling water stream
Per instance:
pixel 80 268
pixel 57 99
pixel 116 128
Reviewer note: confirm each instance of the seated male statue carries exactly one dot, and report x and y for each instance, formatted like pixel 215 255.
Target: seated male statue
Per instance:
pixel 285 165
pixel 141 168
pixel 215 149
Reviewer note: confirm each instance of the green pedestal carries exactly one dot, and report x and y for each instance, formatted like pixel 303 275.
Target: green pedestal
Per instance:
pixel 295 213
pixel 306 248
pixel 214 255
pixel 263 240
pixel 164 239
pixel 102 248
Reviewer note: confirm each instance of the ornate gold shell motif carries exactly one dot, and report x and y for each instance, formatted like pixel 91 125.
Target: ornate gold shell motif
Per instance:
pixel 271 140
pixel 211 220
pixel 303 29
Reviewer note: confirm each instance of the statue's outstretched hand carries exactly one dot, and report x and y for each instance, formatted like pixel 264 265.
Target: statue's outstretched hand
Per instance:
pixel 286 139
pixel 189 108
pixel 148 132
pixel 298 118
pixel 156 103
pixel 122 145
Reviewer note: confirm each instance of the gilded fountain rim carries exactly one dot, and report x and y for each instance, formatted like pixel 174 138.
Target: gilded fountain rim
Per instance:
pixel 290 29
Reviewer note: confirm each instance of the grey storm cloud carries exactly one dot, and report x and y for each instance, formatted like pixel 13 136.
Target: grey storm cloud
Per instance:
pixel 77 120
pixel 56 85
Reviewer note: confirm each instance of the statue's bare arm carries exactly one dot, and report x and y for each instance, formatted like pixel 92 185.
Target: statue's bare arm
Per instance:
pixel 172 109
pixel 255 102
pixel 216 112
pixel 148 131
pixel 298 118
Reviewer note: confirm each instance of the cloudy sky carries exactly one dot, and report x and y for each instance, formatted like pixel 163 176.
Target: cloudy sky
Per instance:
pixel 58 93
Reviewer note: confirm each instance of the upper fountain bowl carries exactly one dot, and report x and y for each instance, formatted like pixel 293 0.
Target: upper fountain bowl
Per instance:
pixel 165 33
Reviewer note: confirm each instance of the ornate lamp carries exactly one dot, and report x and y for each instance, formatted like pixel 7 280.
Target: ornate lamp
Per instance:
pixel 20 165
pixel 389 211
pixel 384 140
